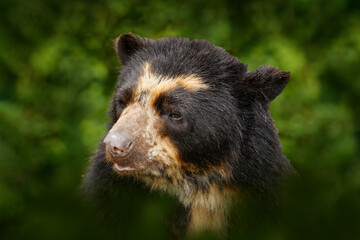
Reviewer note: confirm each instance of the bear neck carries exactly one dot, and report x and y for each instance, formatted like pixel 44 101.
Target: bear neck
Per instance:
pixel 208 209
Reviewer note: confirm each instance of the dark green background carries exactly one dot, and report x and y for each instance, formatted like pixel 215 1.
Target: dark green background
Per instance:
pixel 58 71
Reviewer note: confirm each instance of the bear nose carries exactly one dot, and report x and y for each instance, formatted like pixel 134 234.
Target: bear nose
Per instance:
pixel 118 145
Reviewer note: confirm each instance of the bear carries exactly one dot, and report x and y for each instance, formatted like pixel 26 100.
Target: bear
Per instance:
pixel 189 119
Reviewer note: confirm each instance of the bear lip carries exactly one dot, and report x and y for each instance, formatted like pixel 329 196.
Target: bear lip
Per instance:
pixel 119 168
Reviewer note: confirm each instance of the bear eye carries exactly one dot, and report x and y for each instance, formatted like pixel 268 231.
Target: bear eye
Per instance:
pixel 122 104
pixel 175 116
pixel 124 97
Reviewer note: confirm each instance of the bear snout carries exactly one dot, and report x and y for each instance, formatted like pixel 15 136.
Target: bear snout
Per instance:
pixel 118 145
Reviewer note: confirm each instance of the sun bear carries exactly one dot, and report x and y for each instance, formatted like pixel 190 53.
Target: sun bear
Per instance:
pixel 190 119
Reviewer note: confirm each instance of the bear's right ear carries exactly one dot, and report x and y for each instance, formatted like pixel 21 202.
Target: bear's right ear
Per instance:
pixel 127 44
pixel 266 81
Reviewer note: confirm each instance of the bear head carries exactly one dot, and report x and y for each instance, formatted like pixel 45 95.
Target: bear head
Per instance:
pixel 188 118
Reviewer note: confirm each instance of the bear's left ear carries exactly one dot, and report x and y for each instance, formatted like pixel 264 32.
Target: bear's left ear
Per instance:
pixel 266 81
pixel 127 44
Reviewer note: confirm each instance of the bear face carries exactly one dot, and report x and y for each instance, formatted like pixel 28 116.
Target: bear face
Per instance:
pixel 180 118
pixel 188 118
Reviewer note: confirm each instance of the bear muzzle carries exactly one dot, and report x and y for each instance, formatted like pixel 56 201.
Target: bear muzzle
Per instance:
pixel 118 145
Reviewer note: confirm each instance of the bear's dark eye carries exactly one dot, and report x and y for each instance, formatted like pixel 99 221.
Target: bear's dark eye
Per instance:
pixel 122 104
pixel 123 98
pixel 175 116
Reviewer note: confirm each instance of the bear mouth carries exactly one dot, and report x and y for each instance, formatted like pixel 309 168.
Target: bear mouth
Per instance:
pixel 123 169
pixel 120 166
pixel 150 169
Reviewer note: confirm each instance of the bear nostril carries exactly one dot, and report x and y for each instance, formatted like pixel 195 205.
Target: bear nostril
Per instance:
pixel 117 151
pixel 129 147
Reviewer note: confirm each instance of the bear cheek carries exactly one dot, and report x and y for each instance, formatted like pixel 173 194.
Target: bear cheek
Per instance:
pixel 161 154
pixel 153 152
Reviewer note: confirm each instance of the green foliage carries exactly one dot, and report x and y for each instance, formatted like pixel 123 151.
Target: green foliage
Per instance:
pixel 58 71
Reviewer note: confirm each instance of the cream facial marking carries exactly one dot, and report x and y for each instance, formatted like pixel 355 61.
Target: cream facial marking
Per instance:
pixel 154 84
pixel 153 148
pixel 152 152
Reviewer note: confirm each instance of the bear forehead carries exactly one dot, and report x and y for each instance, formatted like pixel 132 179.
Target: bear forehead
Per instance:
pixel 180 57
pixel 154 84
pixel 147 85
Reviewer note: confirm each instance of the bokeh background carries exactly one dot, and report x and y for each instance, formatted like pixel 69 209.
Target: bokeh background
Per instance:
pixel 58 71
